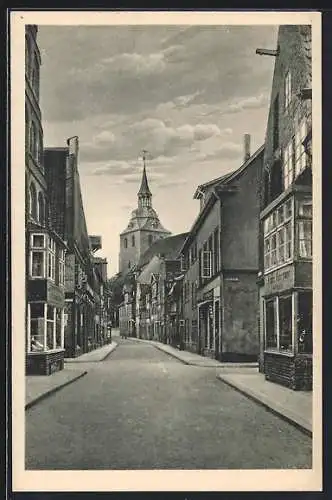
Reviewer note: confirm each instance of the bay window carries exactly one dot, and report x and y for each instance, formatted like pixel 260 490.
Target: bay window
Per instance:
pixel 278 236
pixel 37 255
pixel 304 228
pixel 51 259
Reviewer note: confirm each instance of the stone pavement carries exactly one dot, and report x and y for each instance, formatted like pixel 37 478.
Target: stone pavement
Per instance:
pixel 96 355
pixel 193 359
pixel 293 406
pixel 37 387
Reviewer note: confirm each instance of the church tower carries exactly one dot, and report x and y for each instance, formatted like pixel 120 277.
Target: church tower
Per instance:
pixel 143 229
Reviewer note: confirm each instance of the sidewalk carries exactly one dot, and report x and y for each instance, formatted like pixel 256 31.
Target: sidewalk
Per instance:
pixel 93 356
pixel 38 387
pixel 190 358
pixel 293 406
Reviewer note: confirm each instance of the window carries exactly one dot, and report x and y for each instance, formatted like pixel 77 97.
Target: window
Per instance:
pixel 27 55
pixel 305 238
pixel 35 77
pixel 61 267
pixel 206 264
pixel 288 90
pixel 150 239
pixel 184 262
pixel 125 243
pixel 276 123
pixel 304 322
pixel 41 208
pixel 129 265
pixel 285 323
pixel 37 255
pixel 51 311
pixel 33 140
pixel 270 324
pixel 51 259
pixel 300 152
pixel 33 201
pixel 133 241
pixel 36 327
pixel 216 251
pixel 278 238
pixel 288 165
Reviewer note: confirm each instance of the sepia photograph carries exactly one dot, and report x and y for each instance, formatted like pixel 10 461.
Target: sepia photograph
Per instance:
pixel 165 271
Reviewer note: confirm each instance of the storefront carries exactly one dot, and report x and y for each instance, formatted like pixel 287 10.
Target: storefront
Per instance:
pixel 286 297
pixel 208 323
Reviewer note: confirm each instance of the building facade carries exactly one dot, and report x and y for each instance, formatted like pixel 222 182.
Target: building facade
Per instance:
pixel 220 264
pixel 285 280
pixel 81 284
pixel 45 248
pixel 143 229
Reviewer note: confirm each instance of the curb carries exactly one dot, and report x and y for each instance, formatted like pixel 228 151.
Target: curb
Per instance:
pixel 109 353
pixel 52 391
pixel 173 355
pixel 267 406
pixel 77 360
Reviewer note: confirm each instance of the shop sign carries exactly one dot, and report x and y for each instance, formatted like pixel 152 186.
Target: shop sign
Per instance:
pixel 281 279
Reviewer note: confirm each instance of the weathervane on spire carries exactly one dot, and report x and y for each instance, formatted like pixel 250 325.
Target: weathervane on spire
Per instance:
pixel 145 154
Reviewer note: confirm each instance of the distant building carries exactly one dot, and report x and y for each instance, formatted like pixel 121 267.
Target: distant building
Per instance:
pixel 220 265
pixel 143 229
pixel 285 278
pixel 45 246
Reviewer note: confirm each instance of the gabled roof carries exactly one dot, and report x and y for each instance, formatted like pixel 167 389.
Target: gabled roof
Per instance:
pixel 168 247
pixel 226 178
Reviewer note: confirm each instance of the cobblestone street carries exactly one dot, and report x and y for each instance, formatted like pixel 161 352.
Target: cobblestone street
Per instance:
pixel 142 409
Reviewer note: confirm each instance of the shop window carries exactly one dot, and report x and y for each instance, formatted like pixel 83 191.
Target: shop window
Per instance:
pixel 304 322
pixel 285 323
pixel 33 201
pixel 37 327
pixel 270 324
pixel 50 327
pixel 288 90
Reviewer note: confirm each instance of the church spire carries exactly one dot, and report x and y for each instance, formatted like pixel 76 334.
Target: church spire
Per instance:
pixel 144 193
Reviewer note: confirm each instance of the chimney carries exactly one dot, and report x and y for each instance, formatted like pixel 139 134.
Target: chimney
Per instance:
pixel 246 147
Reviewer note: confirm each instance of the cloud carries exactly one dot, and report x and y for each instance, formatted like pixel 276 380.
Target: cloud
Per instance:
pixel 158 137
pixel 114 70
pixel 171 183
pixel 254 102
pixel 228 151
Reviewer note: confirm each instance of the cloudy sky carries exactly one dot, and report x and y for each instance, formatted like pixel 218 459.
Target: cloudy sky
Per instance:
pixel 187 94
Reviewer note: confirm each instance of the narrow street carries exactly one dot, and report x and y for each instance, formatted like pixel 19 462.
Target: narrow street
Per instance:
pixel 142 409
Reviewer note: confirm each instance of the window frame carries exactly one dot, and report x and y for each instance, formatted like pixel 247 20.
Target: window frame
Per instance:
pixel 288 90
pixel 40 250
